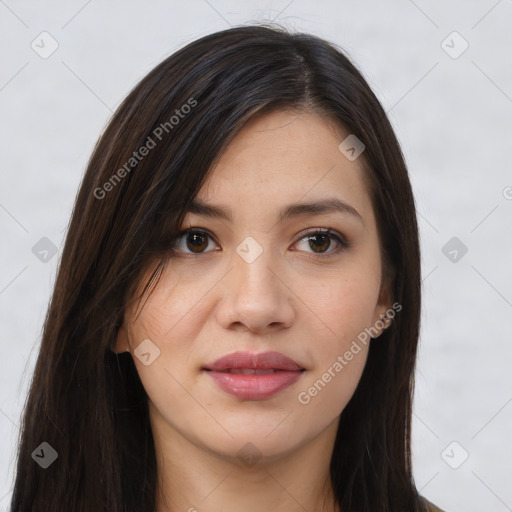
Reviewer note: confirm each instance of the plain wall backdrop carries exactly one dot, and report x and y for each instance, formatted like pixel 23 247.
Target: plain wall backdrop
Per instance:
pixel 442 71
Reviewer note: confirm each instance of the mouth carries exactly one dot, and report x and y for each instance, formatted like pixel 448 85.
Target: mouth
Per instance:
pixel 274 361
pixel 254 376
pixel 249 371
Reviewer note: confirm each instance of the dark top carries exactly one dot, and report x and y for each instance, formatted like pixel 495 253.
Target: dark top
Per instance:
pixel 430 506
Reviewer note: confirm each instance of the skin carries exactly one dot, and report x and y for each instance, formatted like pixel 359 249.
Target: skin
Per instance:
pixel 299 298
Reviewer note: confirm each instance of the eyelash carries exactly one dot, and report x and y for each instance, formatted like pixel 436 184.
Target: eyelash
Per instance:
pixel 337 237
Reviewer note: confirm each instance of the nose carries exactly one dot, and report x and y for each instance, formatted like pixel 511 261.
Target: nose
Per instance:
pixel 256 296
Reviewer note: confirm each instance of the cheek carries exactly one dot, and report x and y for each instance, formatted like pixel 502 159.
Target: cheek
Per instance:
pixel 344 305
pixel 339 360
pixel 170 315
pixel 166 322
pixel 340 347
pixel 329 389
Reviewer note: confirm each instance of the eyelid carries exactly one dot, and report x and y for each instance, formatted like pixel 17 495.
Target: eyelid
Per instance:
pixel 323 231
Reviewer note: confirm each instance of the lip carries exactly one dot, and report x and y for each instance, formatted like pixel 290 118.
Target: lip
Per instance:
pixel 257 385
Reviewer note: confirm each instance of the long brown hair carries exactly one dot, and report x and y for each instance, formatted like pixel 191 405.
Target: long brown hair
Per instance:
pixel 87 402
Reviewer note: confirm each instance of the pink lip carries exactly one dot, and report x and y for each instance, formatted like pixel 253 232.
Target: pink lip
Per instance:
pixel 254 386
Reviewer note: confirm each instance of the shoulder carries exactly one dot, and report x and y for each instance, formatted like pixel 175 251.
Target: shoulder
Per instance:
pixel 430 507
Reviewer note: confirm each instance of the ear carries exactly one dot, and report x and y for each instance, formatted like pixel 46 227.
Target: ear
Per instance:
pixel 381 320
pixel 122 342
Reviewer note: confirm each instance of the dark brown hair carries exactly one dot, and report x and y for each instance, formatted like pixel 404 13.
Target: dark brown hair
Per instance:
pixel 86 401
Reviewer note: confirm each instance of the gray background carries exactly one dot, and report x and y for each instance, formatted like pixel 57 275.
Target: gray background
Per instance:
pixel 452 116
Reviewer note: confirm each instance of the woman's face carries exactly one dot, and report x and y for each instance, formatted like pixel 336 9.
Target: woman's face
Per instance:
pixel 255 278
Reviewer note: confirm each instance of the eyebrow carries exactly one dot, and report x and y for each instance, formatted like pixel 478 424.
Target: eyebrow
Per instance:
pixel 329 205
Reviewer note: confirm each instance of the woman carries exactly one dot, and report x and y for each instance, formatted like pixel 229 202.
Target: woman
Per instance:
pixel 236 313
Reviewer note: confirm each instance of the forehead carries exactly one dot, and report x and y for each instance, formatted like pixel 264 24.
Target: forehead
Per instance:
pixel 286 157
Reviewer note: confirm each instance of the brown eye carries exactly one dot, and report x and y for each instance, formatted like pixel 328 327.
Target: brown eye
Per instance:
pixel 197 242
pixel 319 243
pixel 193 242
pixel 324 242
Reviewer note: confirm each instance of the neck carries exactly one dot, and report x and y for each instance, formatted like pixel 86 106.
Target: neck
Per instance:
pixel 192 478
